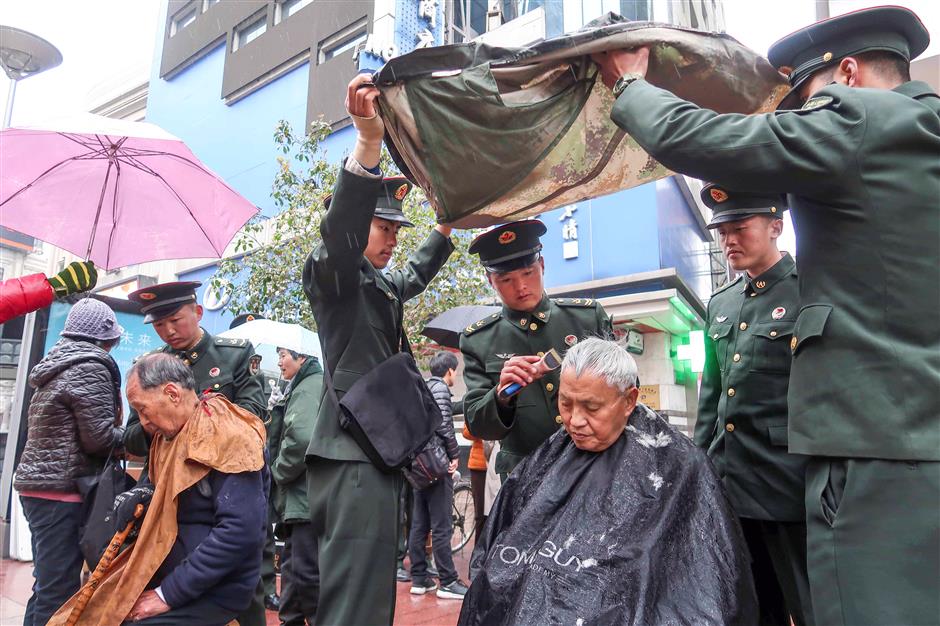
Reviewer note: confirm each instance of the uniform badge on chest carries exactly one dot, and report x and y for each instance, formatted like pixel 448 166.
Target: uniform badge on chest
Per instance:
pixel 214 372
pixel 570 340
pixel 778 313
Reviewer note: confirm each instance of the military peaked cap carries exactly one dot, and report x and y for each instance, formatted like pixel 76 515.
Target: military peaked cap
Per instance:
pixel 730 206
pixel 388 204
pixel 510 246
pixel 244 317
pixel 808 50
pixel 159 301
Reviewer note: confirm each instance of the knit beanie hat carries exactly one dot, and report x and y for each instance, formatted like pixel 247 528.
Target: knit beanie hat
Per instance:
pixel 92 319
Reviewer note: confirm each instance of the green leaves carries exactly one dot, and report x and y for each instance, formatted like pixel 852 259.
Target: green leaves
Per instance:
pixel 265 275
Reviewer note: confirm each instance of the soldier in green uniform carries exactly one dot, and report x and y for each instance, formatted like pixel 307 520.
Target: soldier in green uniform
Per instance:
pixel 742 415
pixel 219 365
pixel 859 164
pixel 358 308
pixel 506 347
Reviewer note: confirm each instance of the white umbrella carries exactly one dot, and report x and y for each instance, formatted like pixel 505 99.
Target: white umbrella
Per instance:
pixel 279 335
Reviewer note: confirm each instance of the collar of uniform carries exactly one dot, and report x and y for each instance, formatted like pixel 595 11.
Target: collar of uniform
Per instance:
pixel 196 352
pixel 522 319
pixel 915 89
pixel 765 281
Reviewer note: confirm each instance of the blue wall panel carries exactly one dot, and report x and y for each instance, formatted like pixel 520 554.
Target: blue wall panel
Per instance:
pixel 681 239
pixel 616 236
pixel 236 141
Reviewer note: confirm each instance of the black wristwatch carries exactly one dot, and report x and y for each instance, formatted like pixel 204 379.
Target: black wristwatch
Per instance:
pixel 624 81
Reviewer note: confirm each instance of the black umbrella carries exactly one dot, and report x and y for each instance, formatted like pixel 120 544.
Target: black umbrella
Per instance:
pixel 445 329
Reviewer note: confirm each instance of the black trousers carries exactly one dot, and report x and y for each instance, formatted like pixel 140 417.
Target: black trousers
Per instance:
pixel 300 576
pixel 478 491
pixel 406 502
pixel 57 559
pixel 778 563
pixel 432 512
pixel 354 512
pixel 200 612
pixel 873 541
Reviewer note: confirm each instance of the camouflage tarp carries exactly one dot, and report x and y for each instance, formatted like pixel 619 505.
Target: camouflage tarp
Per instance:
pixel 497 134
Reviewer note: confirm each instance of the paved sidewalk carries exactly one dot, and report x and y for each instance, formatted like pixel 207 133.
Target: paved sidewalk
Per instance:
pixel 16 580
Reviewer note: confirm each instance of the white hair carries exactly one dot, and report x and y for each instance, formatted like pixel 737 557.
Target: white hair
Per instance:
pixel 602 357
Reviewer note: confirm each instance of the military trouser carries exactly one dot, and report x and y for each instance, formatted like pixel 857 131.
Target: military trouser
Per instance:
pixel 873 541
pixel 354 512
pixel 778 562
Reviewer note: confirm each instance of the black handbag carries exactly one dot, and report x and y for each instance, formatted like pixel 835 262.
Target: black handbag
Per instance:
pixel 429 466
pixel 390 411
pixel 98 493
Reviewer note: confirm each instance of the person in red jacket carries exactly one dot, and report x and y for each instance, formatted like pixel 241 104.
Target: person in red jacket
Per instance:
pixel 19 296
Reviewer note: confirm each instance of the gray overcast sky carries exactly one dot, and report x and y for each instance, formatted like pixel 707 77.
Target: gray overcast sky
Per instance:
pixel 104 42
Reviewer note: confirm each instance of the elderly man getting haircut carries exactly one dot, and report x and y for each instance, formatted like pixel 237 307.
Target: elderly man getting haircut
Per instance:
pixel 198 554
pixel 617 518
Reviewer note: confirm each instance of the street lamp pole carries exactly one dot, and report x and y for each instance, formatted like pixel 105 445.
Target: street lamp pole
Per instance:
pixel 23 54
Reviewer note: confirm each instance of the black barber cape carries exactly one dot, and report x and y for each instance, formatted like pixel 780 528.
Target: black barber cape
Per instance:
pixel 638 534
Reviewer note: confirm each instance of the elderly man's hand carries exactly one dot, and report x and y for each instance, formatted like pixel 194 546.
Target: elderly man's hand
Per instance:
pixel 147 605
pixel 615 63
pixel 125 503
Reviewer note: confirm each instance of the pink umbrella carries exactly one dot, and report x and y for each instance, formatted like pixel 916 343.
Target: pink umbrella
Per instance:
pixel 115 192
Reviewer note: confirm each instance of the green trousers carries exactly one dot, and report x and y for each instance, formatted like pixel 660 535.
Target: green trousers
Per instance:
pixel 354 512
pixel 778 562
pixel 873 541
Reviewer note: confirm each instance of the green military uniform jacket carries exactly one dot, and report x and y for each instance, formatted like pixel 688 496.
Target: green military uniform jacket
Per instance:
pixel 742 413
pixel 288 469
pixel 532 415
pixel 862 172
pixel 219 366
pixel 357 307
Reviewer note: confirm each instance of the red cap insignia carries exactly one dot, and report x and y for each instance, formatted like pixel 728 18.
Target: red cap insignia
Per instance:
pixel 718 195
pixel 507 237
pixel 401 192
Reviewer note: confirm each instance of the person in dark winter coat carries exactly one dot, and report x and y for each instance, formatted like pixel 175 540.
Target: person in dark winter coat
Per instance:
pixel 74 424
pixel 432 505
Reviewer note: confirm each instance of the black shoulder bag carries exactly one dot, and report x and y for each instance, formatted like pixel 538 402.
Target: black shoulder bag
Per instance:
pixel 390 412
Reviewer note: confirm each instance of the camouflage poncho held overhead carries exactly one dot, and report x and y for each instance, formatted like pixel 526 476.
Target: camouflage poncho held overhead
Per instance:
pixel 497 134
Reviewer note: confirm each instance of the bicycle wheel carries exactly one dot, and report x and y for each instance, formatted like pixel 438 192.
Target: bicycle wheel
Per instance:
pixel 464 517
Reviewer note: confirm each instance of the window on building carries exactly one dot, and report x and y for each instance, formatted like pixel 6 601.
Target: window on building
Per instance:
pixel 207 4
pixel 182 19
pixel 466 19
pixel 288 7
pixel 250 31
pixel 343 41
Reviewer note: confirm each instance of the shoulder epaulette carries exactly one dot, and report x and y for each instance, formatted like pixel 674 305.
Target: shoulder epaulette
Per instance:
pixel 232 342
pixel 585 302
pixel 483 323
pixel 726 286
pixel 155 351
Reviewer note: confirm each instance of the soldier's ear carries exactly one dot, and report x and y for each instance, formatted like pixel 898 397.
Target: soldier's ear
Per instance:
pixel 198 312
pixel 776 228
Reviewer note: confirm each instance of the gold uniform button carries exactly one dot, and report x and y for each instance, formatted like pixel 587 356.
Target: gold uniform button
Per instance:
pixel 186 362
pixel 761 284
pixel 558 419
pixel 743 326
pixel 533 326
pixel 549 386
pixel 730 428
pixel 215 386
pixel 793 343
pixel 773 333
pixel 736 358
pixel 731 393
